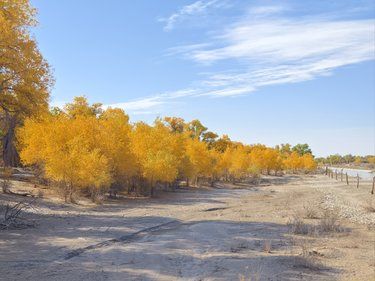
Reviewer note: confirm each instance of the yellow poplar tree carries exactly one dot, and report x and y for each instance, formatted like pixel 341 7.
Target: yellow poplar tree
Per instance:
pixel 67 151
pixel 309 163
pixel 115 142
pixel 25 77
pixel 158 152
pixel 199 157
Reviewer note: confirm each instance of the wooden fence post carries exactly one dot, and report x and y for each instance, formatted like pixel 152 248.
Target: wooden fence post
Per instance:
pixel 342 171
pixel 347 178
pixel 357 180
pixel 373 185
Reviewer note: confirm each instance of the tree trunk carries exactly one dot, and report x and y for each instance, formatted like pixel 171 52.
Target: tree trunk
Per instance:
pixel 10 154
pixel 152 191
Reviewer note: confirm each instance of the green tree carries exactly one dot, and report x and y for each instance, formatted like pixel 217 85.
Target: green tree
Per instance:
pixel 348 158
pixel 196 129
pixel 302 149
pixel 209 138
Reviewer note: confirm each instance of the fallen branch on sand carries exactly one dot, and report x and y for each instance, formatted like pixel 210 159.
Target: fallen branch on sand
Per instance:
pixel 13 215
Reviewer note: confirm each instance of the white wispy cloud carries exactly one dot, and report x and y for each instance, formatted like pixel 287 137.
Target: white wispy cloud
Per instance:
pixel 267 50
pixel 139 105
pixel 266 10
pixel 195 8
pixel 153 104
pixel 285 51
pixel 290 41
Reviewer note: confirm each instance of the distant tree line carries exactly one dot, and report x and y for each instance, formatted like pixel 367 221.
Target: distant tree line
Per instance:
pixel 337 159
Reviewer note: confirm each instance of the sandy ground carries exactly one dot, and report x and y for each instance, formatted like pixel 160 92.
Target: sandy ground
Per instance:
pixel 223 233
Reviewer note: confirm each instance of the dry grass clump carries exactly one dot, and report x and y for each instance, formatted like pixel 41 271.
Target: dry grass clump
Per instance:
pixel 311 212
pixel 369 205
pixel 298 226
pixel 5 185
pixel 330 222
pixel 40 193
pixel 267 246
pixel 5 182
pixel 307 258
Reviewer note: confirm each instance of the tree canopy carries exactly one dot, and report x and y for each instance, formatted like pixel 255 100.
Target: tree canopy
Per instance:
pixel 25 77
pixel 83 147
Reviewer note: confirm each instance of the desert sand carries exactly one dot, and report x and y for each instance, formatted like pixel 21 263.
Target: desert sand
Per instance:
pixel 229 232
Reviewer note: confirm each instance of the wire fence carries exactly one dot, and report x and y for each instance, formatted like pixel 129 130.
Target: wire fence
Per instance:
pixel 334 174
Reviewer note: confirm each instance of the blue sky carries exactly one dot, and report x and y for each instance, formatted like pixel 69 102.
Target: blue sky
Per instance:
pixel 261 71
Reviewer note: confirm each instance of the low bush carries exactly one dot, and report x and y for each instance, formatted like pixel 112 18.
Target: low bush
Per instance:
pixel 330 222
pixel 298 226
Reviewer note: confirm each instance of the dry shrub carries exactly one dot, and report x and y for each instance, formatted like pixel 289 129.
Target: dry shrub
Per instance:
pixel 13 215
pixel 66 191
pixel 40 193
pixel 96 195
pixel 311 211
pixel 330 222
pixel 369 205
pixel 267 246
pixel 5 185
pixel 298 226
pixel 5 182
pixel 307 258
pixel 289 200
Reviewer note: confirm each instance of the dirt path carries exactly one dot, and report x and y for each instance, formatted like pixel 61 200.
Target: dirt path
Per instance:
pixel 194 234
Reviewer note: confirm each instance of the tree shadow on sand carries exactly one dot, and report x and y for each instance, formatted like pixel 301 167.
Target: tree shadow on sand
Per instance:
pixel 171 250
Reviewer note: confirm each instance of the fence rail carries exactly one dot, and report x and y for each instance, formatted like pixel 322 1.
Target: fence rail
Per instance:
pixel 334 174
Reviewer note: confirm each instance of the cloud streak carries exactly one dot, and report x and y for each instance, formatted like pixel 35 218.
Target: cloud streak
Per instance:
pixel 290 41
pixel 265 48
pixel 196 8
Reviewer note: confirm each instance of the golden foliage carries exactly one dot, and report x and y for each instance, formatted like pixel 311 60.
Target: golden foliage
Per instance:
pixel 25 76
pixel 295 162
pixel 85 147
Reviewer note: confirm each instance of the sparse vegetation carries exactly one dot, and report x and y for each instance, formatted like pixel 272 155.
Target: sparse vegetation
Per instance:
pixel 369 205
pixel 5 181
pixel 298 226
pixel 13 215
pixel 267 247
pixel 330 222
pixel 307 257
pixel 311 211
